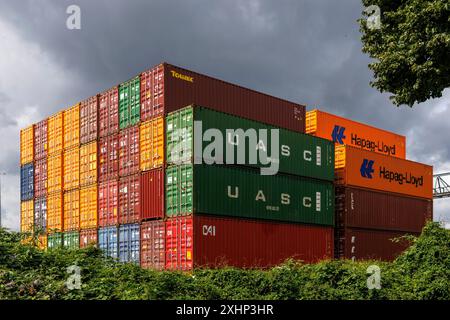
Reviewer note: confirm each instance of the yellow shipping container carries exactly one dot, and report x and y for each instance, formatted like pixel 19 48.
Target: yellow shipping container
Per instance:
pixel 72 127
pixel 152 144
pixel 55 212
pixel 71 168
pixel 27 216
pixel 42 242
pixel 88 207
pixel 55 133
pixel 54 173
pixel 26 145
pixel 88 164
pixel 71 210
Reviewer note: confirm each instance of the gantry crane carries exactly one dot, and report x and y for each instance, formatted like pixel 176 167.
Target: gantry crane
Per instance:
pixel 441 185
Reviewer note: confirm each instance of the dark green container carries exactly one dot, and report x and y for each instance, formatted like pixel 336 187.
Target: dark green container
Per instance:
pixel 298 154
pixel 55 240
pixel 71 240
pixel 243 192
pixel 130 103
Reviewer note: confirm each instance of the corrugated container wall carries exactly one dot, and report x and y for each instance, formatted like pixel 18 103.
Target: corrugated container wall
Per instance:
pixel 183 87
pixel 360 208
pixel 40 178
pixel 108 112
pixel 289 152
pixel 42 242
pixel 55 240
pixel 89 120
pixel 27 216
pixel 26 145
pixel 27 182
pixel 216 241
pixel 107 241
pixel 153 235
pixel 129 243
pixel 40 140
pixel 129 151
pixel 365 169
pixel 152 144
pixel 88 164
pixel 40 214
pixel 152 93
pixel 356 134
pixel 129 199
pixel 55 212
pixel 88 207
pixel 242 192
pixel 152 194
pixel 71 210
pixel 72 127
pixel 55 133
pixel 71 240
pixel 108 158
pixel 129 103
pixel 55 173
pixel 366 244
pixel 71 161
pixel 88 237
pixel 108 203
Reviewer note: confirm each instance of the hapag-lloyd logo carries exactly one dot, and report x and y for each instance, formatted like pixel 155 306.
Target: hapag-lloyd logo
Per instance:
pixel 337 135
pixel 366 170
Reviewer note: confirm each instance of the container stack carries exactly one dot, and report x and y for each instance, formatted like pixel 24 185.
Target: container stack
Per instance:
pixel 379 195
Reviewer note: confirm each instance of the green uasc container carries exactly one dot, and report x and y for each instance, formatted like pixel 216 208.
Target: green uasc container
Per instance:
pixel 242 192
pixel 71 240
pixel 130 103
pixel 297 153
pixel 55 240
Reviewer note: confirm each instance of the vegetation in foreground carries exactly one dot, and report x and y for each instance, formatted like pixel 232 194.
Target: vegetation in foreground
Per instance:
pixel 422 272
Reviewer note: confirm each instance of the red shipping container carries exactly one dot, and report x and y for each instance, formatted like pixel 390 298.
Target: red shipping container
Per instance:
pixel 108 203
pixel 108 150
pixel 167 88
pixel 108 112
pixel 129 199
pixel 40 178
pixel 152 194
pixel 367 244
pixel 362 208
pixel 40 140
pixel 153 235
pixel 208 241
pixel 88 120
pixel 129 151
pixel 88 237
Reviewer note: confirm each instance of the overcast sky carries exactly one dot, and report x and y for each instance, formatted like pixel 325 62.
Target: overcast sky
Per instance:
pixel 308 51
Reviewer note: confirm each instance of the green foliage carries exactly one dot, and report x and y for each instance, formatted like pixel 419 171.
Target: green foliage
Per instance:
pixel 421 272
pixel 411 49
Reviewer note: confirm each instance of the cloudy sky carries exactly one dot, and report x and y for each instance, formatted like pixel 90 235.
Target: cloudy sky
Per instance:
pixel 307 51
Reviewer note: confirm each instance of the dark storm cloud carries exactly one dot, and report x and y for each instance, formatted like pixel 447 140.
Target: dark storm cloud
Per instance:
pixel 306 51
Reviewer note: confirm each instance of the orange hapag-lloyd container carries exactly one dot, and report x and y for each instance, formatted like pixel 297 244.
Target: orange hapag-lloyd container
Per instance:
pixel 71 210
pixel 356 134
pixel 54 172
pixel 55 133
pixel 72 127
pixel 88 207
pixel 152 144
pixel 365 169
pixel 55 212
pixel 71 166
pixel 26 145
pixel 88 164
pixel 27 216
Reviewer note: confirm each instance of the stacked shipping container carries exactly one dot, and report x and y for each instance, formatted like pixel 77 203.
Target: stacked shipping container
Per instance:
pixel 120 169
pixel 379 194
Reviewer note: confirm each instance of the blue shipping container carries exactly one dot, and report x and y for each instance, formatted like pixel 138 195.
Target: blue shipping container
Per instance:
pixel 27 182
pixel 107 241
pixel 129 243
pixel 40 214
